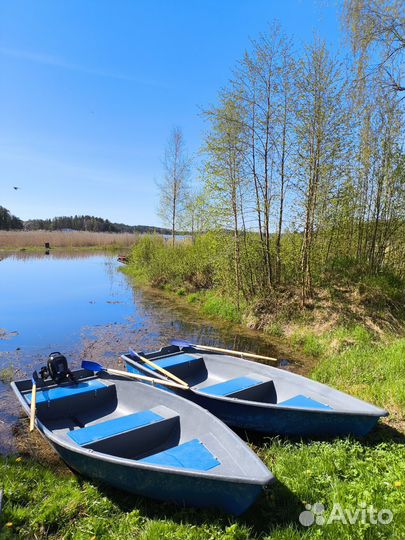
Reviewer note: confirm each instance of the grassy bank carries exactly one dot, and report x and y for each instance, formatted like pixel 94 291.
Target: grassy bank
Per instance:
pixel 35 240
pixel 346 293
pixel 40 502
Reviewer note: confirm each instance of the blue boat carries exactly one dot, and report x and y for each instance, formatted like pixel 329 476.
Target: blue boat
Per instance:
pixel 259 397
pixel 146 441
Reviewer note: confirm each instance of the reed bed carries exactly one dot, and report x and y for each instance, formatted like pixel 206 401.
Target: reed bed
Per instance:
pixel 68 239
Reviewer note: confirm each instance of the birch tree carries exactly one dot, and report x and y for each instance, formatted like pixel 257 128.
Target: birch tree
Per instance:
pixel 321 123
pixel 224 172
pixel 377 28
pixel 174 187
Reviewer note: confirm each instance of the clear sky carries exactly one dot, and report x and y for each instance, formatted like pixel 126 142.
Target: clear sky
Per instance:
pixel 90 89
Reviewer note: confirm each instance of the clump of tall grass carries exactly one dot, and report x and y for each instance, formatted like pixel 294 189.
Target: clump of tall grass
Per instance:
pixel 65 239
pixel 365 368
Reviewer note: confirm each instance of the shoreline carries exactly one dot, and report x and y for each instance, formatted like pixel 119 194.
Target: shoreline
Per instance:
pixel 329 356
pixel 279 347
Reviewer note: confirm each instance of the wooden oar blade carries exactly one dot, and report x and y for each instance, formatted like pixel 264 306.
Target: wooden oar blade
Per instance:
pixel 92 366
pixel 33 400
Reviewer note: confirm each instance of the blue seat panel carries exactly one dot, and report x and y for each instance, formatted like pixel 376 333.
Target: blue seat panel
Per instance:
pixel 109 428
pixel 190 455
pixel 175 360
pixel 60 392
pixel 305 403
pixel 229 387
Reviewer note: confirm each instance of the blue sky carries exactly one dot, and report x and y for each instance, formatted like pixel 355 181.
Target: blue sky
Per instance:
pixel 89 91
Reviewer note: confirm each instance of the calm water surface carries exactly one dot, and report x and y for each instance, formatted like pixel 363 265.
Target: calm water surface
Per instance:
pixel 83 306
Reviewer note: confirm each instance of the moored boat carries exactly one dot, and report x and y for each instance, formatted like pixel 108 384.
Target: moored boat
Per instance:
pixel 260 397
pixel 144 440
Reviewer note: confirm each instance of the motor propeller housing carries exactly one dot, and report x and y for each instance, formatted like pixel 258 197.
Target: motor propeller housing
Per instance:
pixel 57 369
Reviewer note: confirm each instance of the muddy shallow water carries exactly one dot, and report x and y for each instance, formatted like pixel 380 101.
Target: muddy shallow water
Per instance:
pixel 83 306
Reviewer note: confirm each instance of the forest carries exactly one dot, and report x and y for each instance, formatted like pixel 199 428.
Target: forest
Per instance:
pixel 301 179
pixel 90 224
pixel 74 223
pixel 8 221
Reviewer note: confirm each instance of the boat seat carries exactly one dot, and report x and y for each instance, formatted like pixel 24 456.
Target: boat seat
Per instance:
pixel 175 360
pixel 110 428
pixel 68 400
pixel 67 391
pixel 304 402
pixel 189 455
pixel 230 387
pixel 189 367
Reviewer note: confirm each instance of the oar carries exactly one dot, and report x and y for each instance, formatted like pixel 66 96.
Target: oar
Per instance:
pixel 94 366
pixel 158 368
pixel 33 400
pixel 180 343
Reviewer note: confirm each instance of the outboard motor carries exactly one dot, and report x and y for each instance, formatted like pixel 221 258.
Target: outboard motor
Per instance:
pixel 57 369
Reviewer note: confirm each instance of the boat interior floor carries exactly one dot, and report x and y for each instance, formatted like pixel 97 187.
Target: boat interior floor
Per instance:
pixel 90 415
pixel 202 377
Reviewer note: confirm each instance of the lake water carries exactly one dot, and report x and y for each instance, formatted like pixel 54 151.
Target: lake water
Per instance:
pixel 83 306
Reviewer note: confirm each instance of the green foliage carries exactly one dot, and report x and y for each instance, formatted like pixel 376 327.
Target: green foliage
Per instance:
pixel 208 263
pixel 87 223
pixel 275 329
pixel 348 270
pixel 184 265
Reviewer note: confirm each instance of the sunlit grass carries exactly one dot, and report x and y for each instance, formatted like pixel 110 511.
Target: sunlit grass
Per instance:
pixel 40 503
pixel 371 371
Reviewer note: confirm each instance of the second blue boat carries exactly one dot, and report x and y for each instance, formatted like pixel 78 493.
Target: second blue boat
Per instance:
pixel 255 396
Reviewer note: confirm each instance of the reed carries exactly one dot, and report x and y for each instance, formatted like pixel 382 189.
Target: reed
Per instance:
pixel 68 239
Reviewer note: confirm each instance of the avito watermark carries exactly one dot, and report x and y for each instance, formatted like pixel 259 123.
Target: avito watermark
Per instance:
pixel 364 513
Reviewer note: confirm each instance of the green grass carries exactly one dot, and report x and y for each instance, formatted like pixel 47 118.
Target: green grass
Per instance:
pixel 371 371
pixel 40 503
pixel 357 362
pixel 308 342
pixel 218 306
pixel 214 305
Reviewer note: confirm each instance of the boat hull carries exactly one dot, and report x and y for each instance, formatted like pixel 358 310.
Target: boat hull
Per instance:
pixel 228 491
pixel 286 422
pixel 231 497
pixel 278 420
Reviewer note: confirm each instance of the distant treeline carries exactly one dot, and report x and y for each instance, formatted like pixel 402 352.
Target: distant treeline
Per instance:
pixel 74 223
pixel 88 223
pixel 8 221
